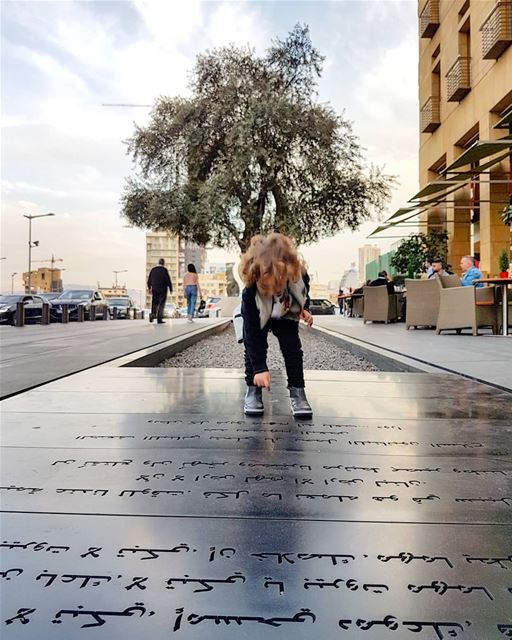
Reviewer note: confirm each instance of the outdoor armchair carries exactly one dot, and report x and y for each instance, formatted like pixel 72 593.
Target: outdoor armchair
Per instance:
pixel 379 306
pixel 422 303
pixel 465 307
pixel 358 306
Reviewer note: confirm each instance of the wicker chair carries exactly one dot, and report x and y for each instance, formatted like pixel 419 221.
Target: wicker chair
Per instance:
pixel 422 303
pixel 379 306
pixel 358 306
pixel 465 307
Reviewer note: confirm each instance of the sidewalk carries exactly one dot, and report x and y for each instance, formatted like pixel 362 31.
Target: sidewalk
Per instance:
pixel 36 354
pixel 484 358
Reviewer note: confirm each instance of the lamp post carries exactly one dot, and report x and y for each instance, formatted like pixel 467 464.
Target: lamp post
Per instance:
pixel 119 271
pixel 30 218
pixel 12 280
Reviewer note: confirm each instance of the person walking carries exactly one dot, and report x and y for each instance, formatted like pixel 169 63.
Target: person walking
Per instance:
pixel 191 290
pixel 158 283
pixel 275 299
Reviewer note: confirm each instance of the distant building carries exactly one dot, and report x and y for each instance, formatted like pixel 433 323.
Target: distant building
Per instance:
pixel 114 292
pixel 192 253
pixel 212 284
pixel 43 280
pixel 162 244
pixel 368 253
pixel 215 267
pixel 350 279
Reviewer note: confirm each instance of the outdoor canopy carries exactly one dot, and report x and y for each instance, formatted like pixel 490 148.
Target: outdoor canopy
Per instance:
pixel 505 122
pixel 447 186
pixel 478 151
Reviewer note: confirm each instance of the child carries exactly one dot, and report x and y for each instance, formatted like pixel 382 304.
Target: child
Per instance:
pixel 275 298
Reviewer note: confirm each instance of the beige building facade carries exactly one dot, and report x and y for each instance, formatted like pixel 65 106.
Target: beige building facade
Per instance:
pixel 43 280
pixel 161 244
pixel 465 91
pixel 367 253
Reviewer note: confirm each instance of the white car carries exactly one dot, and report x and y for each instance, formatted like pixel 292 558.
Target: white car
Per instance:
pixel 212 306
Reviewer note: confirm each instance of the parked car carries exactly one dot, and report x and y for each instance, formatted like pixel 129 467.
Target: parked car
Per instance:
pixel 212 305
pixel 170 310
pixel 51 295
pixel 321 307
pixel 123 306
pixel 33 308
pixel 75 298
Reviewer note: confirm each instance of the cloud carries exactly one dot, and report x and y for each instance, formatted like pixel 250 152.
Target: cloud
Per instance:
pixel 63 151
pixel 239 24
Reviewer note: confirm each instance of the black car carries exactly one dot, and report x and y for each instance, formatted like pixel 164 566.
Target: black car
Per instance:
pixel 74 298
pixel 123 306
pixel 33 305
pixel 51 295
pixel 321 307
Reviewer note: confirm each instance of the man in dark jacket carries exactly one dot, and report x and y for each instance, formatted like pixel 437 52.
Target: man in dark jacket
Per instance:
pixel 158 282
pixel 383 280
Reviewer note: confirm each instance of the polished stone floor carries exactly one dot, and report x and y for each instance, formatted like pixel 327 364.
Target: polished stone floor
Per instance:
pixel 141 503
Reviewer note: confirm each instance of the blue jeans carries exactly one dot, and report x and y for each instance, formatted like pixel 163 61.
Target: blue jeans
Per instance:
pixel 191 294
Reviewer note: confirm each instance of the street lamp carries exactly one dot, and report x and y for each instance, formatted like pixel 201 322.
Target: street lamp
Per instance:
pixel 116 272
pixel 12 280
pixel 30 218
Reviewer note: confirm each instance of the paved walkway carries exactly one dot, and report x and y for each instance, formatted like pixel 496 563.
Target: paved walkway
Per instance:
pixel 485 358
pixel 35 354
pixel 142 503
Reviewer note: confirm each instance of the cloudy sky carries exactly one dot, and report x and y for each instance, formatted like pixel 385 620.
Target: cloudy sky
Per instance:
pixel 62 151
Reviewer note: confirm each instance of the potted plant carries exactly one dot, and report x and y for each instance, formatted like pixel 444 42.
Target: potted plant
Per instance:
pixel 503 263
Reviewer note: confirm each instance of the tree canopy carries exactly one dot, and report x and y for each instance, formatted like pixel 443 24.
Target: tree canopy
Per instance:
pixel 414 251
pixel 251 151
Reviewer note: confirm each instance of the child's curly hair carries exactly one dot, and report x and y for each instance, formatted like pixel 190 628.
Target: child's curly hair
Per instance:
pixel 273 257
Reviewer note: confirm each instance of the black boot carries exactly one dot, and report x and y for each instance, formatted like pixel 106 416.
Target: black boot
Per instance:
pixel 300 405
pixel 253 403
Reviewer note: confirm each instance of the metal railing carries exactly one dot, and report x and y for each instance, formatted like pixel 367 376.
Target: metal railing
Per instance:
pixel 497 31
pixel 458 79
pixel 430 115
pixel 429 19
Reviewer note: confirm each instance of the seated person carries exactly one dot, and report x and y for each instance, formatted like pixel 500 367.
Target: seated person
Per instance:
pixel 438 268
pixel 469 272
pixel 383 280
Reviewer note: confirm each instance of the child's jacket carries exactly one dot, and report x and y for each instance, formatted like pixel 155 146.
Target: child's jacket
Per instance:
pixel 257 311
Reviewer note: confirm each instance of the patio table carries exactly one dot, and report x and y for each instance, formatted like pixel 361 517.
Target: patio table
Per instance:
pixel 503 283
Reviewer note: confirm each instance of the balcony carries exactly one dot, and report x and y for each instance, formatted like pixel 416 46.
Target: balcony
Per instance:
pixel 458 81
pixel 497 31
pixel 430 115
pixel 429 19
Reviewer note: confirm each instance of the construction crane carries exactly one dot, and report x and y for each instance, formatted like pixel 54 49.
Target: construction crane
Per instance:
pixel 52 261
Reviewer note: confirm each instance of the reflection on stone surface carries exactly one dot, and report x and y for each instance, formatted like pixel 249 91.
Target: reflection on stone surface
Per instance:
pixel 161 510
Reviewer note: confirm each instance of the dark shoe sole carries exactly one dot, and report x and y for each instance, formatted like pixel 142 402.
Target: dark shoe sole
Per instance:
pixel 254 412
pixel 302 414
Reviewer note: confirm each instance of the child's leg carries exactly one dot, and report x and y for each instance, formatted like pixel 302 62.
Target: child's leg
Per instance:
pixel 253 402
pixel 287 333
pixel 249 371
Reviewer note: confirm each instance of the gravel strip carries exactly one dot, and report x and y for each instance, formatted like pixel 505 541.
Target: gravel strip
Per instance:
pixel 222 350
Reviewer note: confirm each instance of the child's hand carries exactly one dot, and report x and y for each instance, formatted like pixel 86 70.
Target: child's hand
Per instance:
pixel 262 379
pixel 307 317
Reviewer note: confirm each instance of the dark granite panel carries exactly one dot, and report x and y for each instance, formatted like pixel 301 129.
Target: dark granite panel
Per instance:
pixel 261 484
pixel 198 579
